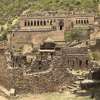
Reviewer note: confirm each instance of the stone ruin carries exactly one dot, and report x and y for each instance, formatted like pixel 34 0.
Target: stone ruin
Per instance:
pixel 47 65
pixel 45 70
pixel 36 27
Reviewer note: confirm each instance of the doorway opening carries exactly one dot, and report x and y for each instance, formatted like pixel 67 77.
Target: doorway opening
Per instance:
pixel 61 24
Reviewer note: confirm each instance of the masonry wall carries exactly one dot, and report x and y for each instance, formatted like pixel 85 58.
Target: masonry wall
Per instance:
pixel 4 72
pixel 76 58
pixel 52 79
pixel 56 76
pixel 45 81
pixel 19 39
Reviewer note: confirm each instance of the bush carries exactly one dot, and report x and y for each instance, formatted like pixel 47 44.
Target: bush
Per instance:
pixel 75 34
pixel 3 37
pixel 96 55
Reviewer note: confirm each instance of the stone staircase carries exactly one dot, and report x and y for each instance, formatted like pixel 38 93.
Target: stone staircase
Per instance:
pixel 4 91
pixel 74 87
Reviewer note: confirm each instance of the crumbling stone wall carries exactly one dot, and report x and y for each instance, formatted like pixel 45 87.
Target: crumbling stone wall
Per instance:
pixel 56 77
pixel 20 38
pixel 46 81
pixel 52 79
pixel 76 57
pixel 4 71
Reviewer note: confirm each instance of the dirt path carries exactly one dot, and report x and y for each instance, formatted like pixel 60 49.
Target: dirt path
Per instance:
pixel 49 96
pixel 53 96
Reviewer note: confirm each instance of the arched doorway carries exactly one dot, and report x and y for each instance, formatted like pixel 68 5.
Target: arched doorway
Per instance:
pixel 61 24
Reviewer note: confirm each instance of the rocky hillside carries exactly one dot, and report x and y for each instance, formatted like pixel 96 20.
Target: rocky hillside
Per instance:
pixel 67 4
pixel 11 9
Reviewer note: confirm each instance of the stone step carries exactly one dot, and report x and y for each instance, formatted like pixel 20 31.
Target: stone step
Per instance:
pixel 4 90
pixel 74 85
pixel 73 88
pixel 77 82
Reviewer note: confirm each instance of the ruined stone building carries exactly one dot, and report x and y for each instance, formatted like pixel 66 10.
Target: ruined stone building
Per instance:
pixel 47 74
pixel 36 27
pixel 76 57
pixel 46 68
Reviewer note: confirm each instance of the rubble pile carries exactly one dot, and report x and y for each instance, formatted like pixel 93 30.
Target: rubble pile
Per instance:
pixel 44 81
pixel 44 72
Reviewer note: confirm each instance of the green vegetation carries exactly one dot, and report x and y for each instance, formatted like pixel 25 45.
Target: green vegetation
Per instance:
pixel 75 34
pixel 11 9
pixel 3 37
pixel 89 5
pixel 96 55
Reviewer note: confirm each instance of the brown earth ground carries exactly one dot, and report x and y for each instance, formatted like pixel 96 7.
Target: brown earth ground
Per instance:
pixel 49 96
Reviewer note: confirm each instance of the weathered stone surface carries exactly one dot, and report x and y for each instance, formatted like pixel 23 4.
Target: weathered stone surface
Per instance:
pixel 52 76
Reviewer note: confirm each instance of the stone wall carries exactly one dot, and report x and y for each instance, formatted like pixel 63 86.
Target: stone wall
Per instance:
pixel 57 74
pixel 76 57
pixel 38 26
pixel 4 72
pixel 19 39
pixel 50 80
